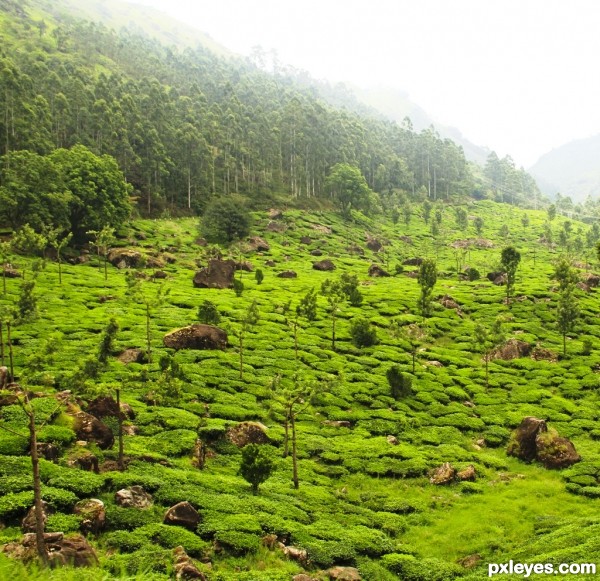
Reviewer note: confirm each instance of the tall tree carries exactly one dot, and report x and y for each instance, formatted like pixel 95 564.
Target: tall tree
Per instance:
pixel 510 259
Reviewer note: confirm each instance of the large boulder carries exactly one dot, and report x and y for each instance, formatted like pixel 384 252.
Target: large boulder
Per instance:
pixel 288 274
pixel 554 451
pixel 377 272
pixel 196 336
pixel 133 497
pixel 29 522
pixel 73 550
pixel 325 265
pixel 132 355
pixel 183 514
pixel 523 440
pixel 247 433
pixel 343 574
pixel 91 429
pixel 374 244
pixel 218 274
pixel 413 262
pixel 258 244
pixel 93 515
pixel 443 474
pixel 125 258
pixel 3 377
pixel 103 407
pixel 512 349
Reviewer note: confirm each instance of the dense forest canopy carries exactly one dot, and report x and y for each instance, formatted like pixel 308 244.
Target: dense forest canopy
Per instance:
pixel 185 125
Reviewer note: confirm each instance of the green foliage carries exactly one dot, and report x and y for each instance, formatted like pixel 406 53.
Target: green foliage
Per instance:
pixel 426 279
pixel 256 466
pixel 308 305
pixel 510 259
pixel 400 383
pixel 238 287
pixel 363 333
pixel 208 313
pixel 27 306
pixel 349 188
pixel 259 276
pixel 225 220
pixel 107 343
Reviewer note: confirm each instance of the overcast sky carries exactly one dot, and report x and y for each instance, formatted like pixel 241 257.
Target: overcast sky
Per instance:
pixel 519 76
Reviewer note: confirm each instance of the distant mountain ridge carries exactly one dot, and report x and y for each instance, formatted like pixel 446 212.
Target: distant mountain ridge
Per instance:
pixel 571 170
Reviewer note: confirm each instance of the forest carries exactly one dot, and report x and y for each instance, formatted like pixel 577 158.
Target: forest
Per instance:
pixel 252 331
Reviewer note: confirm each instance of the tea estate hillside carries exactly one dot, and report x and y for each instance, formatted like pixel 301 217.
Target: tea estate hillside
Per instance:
pixel 350 405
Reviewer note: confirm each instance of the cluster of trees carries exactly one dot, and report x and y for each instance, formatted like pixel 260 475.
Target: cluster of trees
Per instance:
pixel 510 184
pixel 185 126
pixel 71 190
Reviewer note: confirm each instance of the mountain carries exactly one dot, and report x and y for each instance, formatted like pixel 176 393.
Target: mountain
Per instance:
pixel 397 105
pixel 572 169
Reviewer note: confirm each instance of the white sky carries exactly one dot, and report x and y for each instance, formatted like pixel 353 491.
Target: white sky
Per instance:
pixel 518 76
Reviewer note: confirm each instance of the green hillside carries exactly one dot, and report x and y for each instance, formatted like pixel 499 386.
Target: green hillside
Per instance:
pixel 362 500
pixel 248 336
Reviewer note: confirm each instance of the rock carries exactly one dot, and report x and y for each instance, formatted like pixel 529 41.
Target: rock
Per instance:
pixel 218 274
pixel 244 265
pixel 344 574
pixel 434 364
pixel 540 353
pixel 91 429
pixel 322 229
pixel 295 554
pixel 413 262
pixel 554 451
pixel 586 288
pixel 470 561
pixel 28 523
pixel 275 214
pixel 592 280
pixel 288 274
pixel 183 514
pixel 355 249
pixel 125 258
pixel 316 252
pixel 133 497
pixel 306 240
pixel 103 407
pixel 523 440
pixel 184 567
pixel 392 440
pixel 406 239
pixel 160 275
pixel 258 244
pixel 201 242
pixel 155 262
pixel 468 474
pixel 74 551
pixel 449 303
pixel 338 423
pixel 85 461
pixel 10 272
pixel 303 577
pixel 376 271
pixel 94 515
pixel 48 451
pixel 270 263
pixel 325 265
pixel 444 474
pixel 197 336
pixel 512 349
pixel 374 244
pixel 247 433
pixel 132 355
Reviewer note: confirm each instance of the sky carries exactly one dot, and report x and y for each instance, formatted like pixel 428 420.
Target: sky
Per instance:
pixel 518 76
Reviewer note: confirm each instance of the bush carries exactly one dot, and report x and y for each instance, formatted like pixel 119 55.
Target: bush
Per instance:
pixel 363 333
pixel 400 383
pixel 225 220
pixel 208 313
pixel 237 542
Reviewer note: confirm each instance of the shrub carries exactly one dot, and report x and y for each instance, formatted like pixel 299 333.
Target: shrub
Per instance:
pixel 400 383
pixel 237 542
pixel 208 313
pixel 257 465
pixel 225 220
pixel 363 333
pixel 65 523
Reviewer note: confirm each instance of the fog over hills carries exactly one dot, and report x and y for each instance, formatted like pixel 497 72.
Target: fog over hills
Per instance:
pixel 571 170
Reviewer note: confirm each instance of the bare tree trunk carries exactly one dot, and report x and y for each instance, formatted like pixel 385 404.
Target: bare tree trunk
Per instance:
pixel 120 462
pixel 10 352
pixel 1 345
pixel 294 454
pixel 286 439
pixel 37 490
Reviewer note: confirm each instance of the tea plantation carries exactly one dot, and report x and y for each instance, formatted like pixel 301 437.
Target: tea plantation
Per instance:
pixel 365 458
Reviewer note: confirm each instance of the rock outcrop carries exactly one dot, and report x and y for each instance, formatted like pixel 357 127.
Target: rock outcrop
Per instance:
pixel 183 514
pixel 377 272
pixel 325 265
pixel 196 336
pixel 247 433
pixel 218 274
pixel 125 258
pixel 91 429
pixel 133 497
pixel 93 515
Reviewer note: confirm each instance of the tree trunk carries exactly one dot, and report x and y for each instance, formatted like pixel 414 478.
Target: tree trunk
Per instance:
pixel 1 345
pixel 148 338
pixel 294 455
pixel 286 438
pixel 333 332
pixel 241 354
pixel 120 462
pixel 37 491
pixel 10 352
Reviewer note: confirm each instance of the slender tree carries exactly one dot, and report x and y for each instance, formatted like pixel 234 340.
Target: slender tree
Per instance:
pixel 510 259
pixel 567 310
pixel 426 279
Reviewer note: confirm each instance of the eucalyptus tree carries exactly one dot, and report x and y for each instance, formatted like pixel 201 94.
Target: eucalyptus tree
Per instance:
pixel 510 259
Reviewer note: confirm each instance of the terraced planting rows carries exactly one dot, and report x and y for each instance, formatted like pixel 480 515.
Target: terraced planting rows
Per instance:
pixel 365 499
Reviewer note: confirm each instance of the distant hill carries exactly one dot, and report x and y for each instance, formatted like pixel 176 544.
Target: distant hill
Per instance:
pixel 396 105
pixel 572 169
